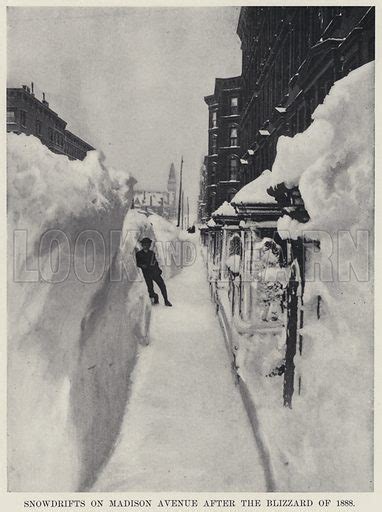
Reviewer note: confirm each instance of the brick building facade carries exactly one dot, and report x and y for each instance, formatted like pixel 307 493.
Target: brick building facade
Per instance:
pixel 224 149
pixel 26 114
pixel 291 56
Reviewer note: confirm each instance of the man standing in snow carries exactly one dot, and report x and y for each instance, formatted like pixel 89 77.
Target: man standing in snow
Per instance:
pixel 147 261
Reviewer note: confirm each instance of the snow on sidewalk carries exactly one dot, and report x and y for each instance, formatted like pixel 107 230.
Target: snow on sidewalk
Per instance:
pixel 185 426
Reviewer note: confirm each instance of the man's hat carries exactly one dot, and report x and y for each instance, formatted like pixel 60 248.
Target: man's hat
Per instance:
pixel 146 240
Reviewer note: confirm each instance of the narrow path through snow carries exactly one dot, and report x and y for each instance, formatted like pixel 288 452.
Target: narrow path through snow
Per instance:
pixel 185 426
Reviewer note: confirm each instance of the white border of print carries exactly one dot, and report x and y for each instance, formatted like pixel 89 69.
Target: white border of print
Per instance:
pixel 365 502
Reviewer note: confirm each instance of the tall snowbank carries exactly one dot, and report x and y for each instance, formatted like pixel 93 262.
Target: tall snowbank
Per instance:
pixel 48 190
pixel 332 162
pixel 325 443
pixel 74 318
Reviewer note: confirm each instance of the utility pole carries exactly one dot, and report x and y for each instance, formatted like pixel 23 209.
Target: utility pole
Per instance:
pixel 182 208
pixel 188 214
pixel 180 192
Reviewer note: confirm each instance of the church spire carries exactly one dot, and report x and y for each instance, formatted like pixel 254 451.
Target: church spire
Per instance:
pixel 172 190
pixel 172 176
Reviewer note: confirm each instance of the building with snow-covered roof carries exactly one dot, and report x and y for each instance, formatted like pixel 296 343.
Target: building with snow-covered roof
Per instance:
pixel 162 202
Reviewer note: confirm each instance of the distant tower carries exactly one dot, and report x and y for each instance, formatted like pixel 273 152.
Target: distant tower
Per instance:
pixel 172 188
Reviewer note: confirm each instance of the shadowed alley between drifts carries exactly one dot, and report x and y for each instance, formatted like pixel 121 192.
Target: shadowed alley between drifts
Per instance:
pixel 185 426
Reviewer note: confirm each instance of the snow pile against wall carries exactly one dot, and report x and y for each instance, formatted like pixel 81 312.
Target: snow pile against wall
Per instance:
pixel 255 192
pixel 77 310
pixel 332 162
pixel 325 442
pixel 47 190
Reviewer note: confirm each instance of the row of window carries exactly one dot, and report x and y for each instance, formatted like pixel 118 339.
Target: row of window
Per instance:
pixel 54 136
pixel 34 104
pixel 273 89
pixel 233 109
pixel 233 139
pixel 307 26
pixel 264 158
pixel 233 169
pixel 74 151
pixel 12 117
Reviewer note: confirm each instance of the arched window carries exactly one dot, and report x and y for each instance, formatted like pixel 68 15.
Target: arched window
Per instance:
pixel 233 168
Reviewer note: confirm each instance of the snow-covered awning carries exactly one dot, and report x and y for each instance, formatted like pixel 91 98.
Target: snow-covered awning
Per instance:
pixel 224 210
pixel 243 161
pixel 281 110
pixel 255 192
pixel 264 132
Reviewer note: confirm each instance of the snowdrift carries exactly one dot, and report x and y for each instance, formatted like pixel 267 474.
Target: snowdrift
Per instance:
pixel 77 310
pixel 325 443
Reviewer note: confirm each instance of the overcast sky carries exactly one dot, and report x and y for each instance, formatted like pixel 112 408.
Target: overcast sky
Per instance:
pixel 130 81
